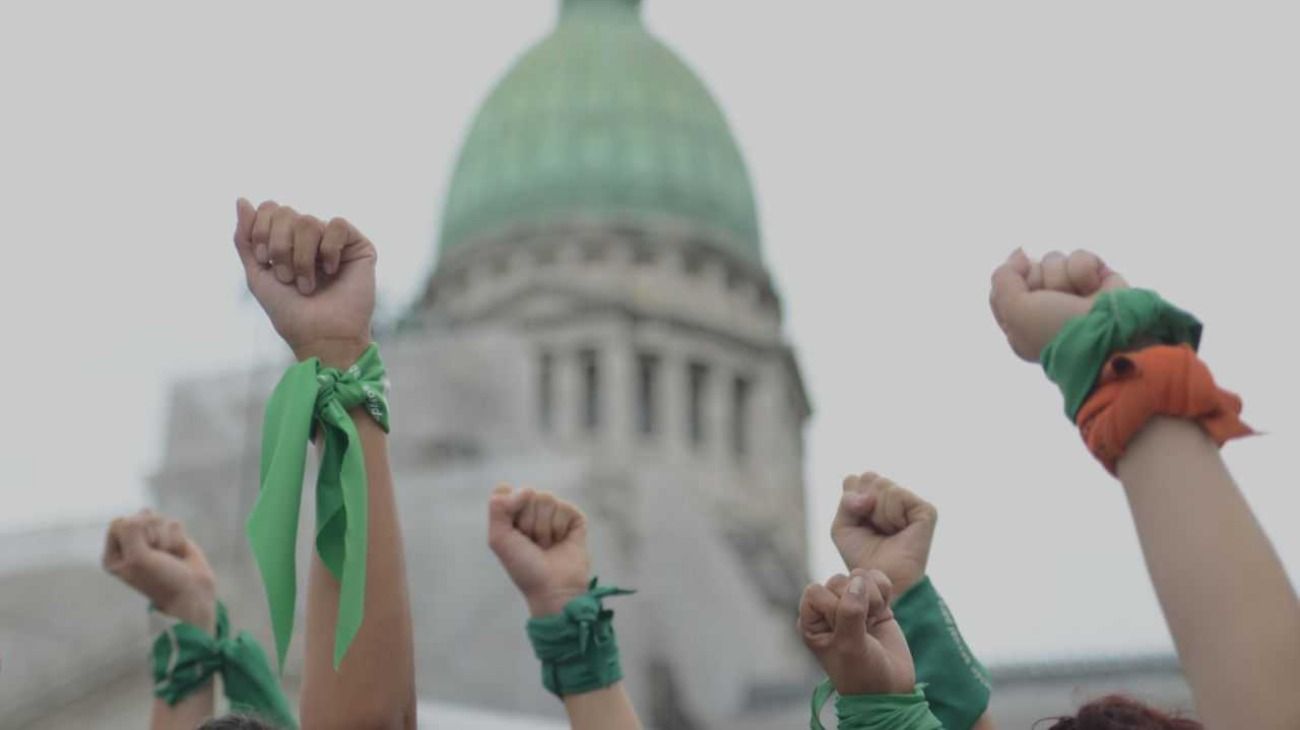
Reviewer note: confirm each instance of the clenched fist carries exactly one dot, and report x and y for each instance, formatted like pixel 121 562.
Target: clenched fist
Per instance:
pixel 315 280
pixel 1032 301
pixel 541 541
pixel 153 555
pixel 848 625
pixel 880 525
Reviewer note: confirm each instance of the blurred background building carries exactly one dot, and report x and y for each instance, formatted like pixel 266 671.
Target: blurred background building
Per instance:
pixel 600 323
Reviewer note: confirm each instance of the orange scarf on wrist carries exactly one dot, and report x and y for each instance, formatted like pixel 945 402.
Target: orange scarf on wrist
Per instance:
pixel 1165 380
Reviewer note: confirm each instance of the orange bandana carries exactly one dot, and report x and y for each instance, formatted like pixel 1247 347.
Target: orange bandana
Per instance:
pixel 1164 380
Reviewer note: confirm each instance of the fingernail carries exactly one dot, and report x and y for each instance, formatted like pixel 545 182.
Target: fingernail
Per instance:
pixel 856 585
pixel 284 274
pixel 263 256
pixel 304 285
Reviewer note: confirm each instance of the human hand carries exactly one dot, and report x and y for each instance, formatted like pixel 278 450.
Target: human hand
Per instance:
pixel 883 526
pixel 1033 301
pixel 316 281
pixel 541 541
pixel 848 626
pixel 152 554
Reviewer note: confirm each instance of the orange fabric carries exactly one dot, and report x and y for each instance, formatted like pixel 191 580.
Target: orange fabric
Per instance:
pixel 1165 380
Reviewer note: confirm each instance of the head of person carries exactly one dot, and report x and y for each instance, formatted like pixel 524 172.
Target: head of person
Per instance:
pixel 1116 712
pixel 236 722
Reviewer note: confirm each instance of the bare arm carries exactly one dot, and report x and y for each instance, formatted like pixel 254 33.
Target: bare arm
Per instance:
pixel 316 282
pixel 604 709
pixel 374 686
pixel 1228 602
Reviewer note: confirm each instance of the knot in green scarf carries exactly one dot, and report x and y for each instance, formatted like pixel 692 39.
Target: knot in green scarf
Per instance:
pixel 577 647
pixel 185 657
pixel 312 399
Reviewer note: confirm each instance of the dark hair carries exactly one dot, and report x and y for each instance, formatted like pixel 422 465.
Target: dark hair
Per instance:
pixel 236 722
pixel 1117 712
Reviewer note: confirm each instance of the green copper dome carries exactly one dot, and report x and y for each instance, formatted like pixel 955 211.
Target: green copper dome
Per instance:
pixel 601 119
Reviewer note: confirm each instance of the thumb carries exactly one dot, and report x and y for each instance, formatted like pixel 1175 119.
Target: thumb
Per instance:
pixel 503 506
pixel 245 214
pixel 851 613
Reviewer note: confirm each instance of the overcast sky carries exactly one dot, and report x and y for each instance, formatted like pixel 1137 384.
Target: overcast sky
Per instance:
pixel 898 151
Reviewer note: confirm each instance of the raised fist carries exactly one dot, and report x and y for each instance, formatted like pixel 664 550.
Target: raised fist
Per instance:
pixel 315 280
pixel 1032 301
pixel 880 525
pixel 848 625
pixel 541 541
pixel 153 555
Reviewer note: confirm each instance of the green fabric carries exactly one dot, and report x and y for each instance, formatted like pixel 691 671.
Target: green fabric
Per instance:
pixel 957 685
pixel 1118 321
pixel 185 657
pixel 309 398
pixel 876 712
pixel 577 647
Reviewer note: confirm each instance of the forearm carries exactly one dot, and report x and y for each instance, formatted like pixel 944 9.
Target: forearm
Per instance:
pixel 603 709
pixel 1226 597
pixel 984 723
pixel 374 685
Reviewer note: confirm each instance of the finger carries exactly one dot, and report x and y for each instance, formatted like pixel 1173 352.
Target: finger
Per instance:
pixel 134 540
pixel 878 590
pixel 503 506
pixel 817 609
pixel 245 215
pixel 544 520
pixel 1035 278
pixel 565 516
pixel 281 243
pixel 338 233
pixel 1083 269
pixel 526 520
pixel 1010 281
pixel 307 232
pixel 1055 277
pixel 174 539
pixel 261 234
pixel 112 545
pixel 1111 279
pixel 837 584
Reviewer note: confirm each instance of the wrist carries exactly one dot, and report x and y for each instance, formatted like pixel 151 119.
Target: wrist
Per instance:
pixel 334 352
pixel 198 610
pixel 549 603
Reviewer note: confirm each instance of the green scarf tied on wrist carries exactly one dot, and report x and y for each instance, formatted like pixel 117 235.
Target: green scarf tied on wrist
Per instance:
pixel 956 684
pixel 1119 320
pixel 875 712
pixel 311 398
pixel 577 647
pixel 185 657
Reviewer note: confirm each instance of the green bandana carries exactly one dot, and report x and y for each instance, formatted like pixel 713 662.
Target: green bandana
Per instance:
pixel 577 646
pixel 185 657
pixel 309 398
pixel 1119 320
pixel 875 712
pixel 956 684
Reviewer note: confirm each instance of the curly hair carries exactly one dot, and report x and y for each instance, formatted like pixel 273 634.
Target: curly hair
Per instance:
pixel 1117 712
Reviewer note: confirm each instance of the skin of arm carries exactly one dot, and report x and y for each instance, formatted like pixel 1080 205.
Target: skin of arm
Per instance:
pixel 1225 595
pixel 1229 605
pixel 316 282
pixel 541 541
pixel 153 555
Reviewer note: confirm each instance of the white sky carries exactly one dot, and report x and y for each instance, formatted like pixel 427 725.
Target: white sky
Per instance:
pixel 898 153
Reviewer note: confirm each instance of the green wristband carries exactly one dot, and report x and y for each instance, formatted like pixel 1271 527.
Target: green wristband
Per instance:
pixel 1119 320
pixel 957 685
pixel 876 712
pixel 577 647
pixel 312 398
pixel 186 657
